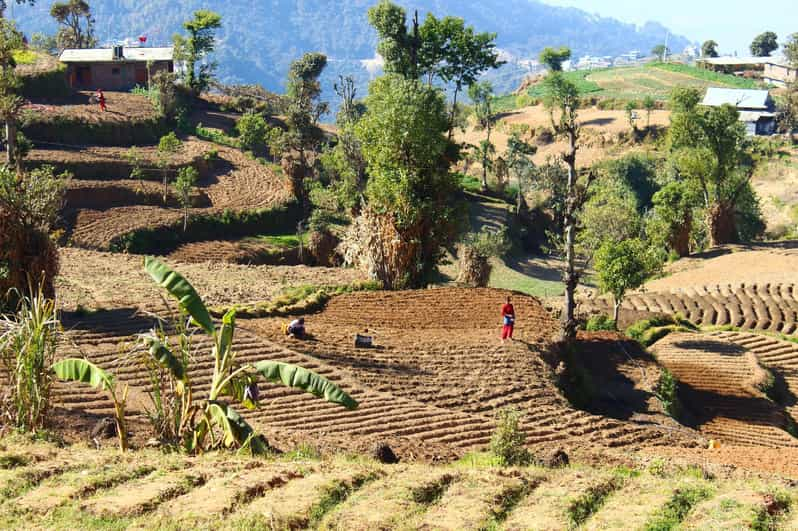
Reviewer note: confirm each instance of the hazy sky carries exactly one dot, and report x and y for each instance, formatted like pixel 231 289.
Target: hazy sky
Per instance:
pixel 732 23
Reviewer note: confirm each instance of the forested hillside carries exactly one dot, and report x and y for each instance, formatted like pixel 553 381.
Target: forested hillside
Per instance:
pixel 260 39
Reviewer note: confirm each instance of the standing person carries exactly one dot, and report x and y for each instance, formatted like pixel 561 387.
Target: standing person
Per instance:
pixel 101 99
pixel 508 320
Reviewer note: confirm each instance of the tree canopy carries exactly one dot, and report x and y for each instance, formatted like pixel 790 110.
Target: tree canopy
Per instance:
pixel 764 44
pixel 554 58
pixel 77 23
pixel 195 48
pixel 709 49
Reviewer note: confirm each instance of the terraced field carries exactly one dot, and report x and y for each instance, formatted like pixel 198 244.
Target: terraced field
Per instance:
pixel 404 385
pixel 79 488
pixel 719 384
pixel 771 307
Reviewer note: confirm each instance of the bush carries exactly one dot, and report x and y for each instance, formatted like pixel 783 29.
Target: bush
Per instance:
pixel 28 342
pixel 648 331
pixel 252 129
pixel 677 508
pixel 667 391
pixel 507 443
pixel 601 322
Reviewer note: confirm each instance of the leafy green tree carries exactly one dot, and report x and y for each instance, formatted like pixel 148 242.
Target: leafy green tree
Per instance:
pixel 252 129
pixel 398 47
pixel 709 49
pixel 554 58
pixel 790 49
pixel 77 23
pixel 562 102
pixel 168 146
pixel 194 49
pixel 186 181
pixel 10 101
pixel 709 146
pixel 649 104
pixel 764 44
pixel 622 266
pixel 660 51
pixel 670 224
pixel 611 214
pixel 404 142
pixel 481 95
pixel 631 115
pixel 304 109
pixel 519 162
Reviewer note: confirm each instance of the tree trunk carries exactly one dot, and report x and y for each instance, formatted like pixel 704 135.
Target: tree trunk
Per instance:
pixel 569 323
pixel 484 173
pixel 11 139
pixel 616 314
pixel 680 241
pixel 721 225
pixel 453 113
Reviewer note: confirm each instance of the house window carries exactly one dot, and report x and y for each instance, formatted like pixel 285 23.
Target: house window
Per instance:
pixel 115 71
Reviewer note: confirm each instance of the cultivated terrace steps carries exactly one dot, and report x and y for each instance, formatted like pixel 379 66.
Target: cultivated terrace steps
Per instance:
pixel 80 488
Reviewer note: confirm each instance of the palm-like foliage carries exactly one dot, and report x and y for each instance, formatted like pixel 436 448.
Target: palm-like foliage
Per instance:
pixel 231 382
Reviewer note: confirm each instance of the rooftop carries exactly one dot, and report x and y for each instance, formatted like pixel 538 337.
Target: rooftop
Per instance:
pixel 740 98
pixel 106 55
pixel 736 60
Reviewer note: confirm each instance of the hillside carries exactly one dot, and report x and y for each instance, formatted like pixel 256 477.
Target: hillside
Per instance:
pixel 260 39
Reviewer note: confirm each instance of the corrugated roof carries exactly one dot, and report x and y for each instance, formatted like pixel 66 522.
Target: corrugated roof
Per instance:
pixel 753 116
pixel 106 55
pixel 740 98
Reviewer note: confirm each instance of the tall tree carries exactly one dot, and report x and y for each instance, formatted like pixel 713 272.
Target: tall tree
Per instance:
pixel 304 109
pixel 790 49
pixel 10 102
pixel 194 49
pixel 764 43
pixel 554 58
pixel 562 101
pixel 660 51
pixel 77 23
pixel 622 266
pixel 709 146
pixel 403 134
pixel 709 49
pixel 519 162
pixel 398 47
pixel 481 95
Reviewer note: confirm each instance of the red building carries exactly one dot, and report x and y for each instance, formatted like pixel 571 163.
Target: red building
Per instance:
pixel 117 68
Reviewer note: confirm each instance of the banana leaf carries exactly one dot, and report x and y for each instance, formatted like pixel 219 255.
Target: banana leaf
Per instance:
pixel 301 378
pixel 164 356
pixel 182 290
pixel 228 327
pixel 236 429
pixel 83 371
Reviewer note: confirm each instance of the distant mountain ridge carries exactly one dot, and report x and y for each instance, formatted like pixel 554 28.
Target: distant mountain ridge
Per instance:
pixel 260 38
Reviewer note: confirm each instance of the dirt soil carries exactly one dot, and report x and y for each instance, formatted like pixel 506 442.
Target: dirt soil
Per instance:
pixel 123 107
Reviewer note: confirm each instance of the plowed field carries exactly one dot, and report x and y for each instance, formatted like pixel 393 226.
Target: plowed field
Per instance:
pixel 718 384
pixel 78 488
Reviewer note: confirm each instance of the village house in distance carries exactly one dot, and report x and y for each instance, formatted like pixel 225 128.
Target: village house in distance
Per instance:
pixel 757 108
pixel 117 68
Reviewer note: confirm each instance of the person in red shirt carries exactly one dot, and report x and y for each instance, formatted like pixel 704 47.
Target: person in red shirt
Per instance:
pixel 508 320
pixel 101 100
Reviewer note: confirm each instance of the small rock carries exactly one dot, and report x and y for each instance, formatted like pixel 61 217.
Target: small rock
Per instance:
pixel 384 454
pixel 556 459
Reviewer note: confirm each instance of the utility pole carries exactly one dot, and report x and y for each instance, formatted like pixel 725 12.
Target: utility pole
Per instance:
pixel 665 54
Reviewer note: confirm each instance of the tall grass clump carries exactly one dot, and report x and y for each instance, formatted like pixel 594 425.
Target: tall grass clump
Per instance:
pixel 28 341
pixel 508 441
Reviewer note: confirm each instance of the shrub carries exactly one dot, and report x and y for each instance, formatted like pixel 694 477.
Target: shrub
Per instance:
pixel 649 331
pixel 771 512
pixel 600 322
pixel 28 343
pixel 507 443
pixel 667 391
pixel 677 508
pixel 252 129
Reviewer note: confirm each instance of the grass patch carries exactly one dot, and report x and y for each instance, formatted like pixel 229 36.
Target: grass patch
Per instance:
pixel 9 461
pixel 710 76
pixel 590 501
pixel 334 496
pixel 578 78
pixel 649 331
pixel 216 136
pixel 478 460
pixel 769 516
pixel 677 508
pixel 285 241
pixel 429 493
pixel 509 499
pixel 504 277
pixel 296 300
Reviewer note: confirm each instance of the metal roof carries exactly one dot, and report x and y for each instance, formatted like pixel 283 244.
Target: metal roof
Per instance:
pixel 754 116
pixel 106 55
pixel 735 60
pixel 740 98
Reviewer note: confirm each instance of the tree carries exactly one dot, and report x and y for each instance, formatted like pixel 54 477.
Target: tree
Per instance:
pixel 78 24
pixel 168 145
pixel 303 138
pixel 562 101
pixel 670 224
pixel 764 43
pixel 10 102
pixel 445 49
pixel 790 49
pixel 649 104
pixel 519 162
pixel 709 146
pixel 709 49
pixel 660 51
pixel 611 214
pixel 252 129
pixel 409 215
pixel 194 49
pixel 622 266
pixel 481 95
pixel 554 58
pixel 186 181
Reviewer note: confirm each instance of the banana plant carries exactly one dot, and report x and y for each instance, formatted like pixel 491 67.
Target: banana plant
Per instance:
pixel 83 371
pixel 231 381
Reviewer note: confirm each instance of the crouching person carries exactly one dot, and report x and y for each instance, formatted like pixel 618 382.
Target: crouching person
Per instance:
pixel 296 328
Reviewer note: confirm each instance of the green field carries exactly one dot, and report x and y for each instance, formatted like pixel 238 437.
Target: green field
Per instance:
pixel 632 83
